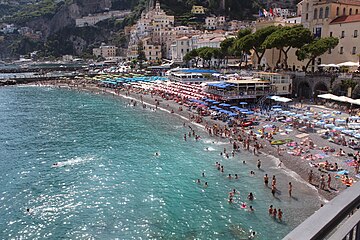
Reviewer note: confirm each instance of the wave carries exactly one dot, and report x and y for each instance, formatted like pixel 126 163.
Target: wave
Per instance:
pixel 74 161
pixel 294 175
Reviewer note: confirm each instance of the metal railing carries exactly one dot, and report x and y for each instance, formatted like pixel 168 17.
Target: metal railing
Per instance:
pixel 339 219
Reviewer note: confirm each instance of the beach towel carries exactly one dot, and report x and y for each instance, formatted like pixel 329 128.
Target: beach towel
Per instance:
pixel 350 163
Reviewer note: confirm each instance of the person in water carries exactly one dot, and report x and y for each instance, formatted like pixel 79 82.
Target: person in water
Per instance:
pixel 251 196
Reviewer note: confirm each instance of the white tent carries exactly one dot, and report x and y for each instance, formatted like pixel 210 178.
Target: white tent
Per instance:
pixel 329 65
pixel 328 96
pixel 348 64
pixel 280 99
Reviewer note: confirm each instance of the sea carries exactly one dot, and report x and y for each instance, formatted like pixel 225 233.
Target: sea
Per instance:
pixel 125 172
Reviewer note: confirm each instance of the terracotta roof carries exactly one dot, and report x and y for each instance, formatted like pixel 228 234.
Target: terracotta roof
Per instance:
pixel 346 19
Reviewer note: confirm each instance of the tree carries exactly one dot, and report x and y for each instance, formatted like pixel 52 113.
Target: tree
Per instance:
pixel 286 38
pixel 349 85
pixel 206 53
pixel 315 49
pixel 141 54
pixel 218 54
pixel 255 41
pixel 192 55
pixel 226 47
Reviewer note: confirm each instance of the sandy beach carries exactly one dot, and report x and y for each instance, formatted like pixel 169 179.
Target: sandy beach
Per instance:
pixel 299 165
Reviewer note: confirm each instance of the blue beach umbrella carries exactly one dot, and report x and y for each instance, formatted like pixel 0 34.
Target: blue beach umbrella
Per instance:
pixel 243 103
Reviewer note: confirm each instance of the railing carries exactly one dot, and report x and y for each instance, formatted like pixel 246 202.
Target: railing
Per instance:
pixel 339 219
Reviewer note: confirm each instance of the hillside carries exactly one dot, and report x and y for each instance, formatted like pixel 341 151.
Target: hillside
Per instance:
pixel 55 19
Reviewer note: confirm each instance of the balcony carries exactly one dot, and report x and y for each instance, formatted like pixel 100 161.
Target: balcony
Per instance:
pixel 339 219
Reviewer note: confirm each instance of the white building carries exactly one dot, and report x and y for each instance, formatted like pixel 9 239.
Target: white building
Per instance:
pixel 91 20
pixel 212 23
pixel 154 24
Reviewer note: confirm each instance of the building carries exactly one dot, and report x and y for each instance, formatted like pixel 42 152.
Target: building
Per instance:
pixel 212 23
pixel 197 9
pixel 337 18
pixel 185 44
pixel 91 20
pixel 154 25
pixel 105 51
pixel 281 84
pixel 239 89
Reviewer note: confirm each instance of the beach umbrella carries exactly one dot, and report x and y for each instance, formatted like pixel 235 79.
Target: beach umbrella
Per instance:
pixel 224 105
pixel 276 106
pixel 277 109
pixel 343 172
pixel 249 112
pixel 329 125
pixel 243 103
pixel 277 142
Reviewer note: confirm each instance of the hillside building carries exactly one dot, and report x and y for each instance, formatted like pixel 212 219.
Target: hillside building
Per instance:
pixel 105 51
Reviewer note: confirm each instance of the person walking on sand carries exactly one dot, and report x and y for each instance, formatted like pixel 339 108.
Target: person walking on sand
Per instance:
pixel 258 163
pixel 329 181
pixel 311 175
pixel 290 188
pixel 322 182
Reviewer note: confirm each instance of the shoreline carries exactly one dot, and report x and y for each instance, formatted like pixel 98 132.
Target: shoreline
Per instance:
pixel 289 167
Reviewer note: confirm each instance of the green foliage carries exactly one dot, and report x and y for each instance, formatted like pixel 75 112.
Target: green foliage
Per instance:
pixel 140 52
pixel 316 48
pixel 286 38
pixel 44 8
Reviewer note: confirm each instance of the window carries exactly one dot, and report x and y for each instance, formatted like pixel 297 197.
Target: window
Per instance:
pixel 342 34
pixel 341 50
pixel 344 11
pixel 329 51
pixel 353 51
pixel 350 11
pixel 326 12
pixel 355 33
pixel 307 6
pixel 330 34
pixel 315 13
pixel 307 16
pixel 357 11
pixel 321 11
pixel 337 11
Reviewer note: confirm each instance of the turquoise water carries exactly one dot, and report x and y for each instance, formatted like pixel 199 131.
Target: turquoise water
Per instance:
pixel 110 185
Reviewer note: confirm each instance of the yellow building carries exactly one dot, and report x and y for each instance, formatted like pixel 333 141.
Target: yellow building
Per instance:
pixel 197 10
pixel 105 51
pixel 324 18
pixel 334 18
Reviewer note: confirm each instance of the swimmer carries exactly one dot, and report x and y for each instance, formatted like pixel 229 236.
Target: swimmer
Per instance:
pixel 251 209
pixel 270 210
pixel 203 174
pixel 236 176
pixel 231 200
pixel 55 164
pixel 266 180
pixel 229 176
pixel 156 154
pixel 252 235
pixel 206 184
pixel 243 205
pixel 244 162
pixel 258 163
pixel 251 196
pixel 280 214
pixel 198 181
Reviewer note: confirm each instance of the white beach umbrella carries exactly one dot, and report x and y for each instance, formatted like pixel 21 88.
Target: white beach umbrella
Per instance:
pixel 348 64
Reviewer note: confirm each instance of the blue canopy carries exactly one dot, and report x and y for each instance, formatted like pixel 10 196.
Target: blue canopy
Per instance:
pixel 215 102
pixel 243 103
pixel 224 105
pixel 276 106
